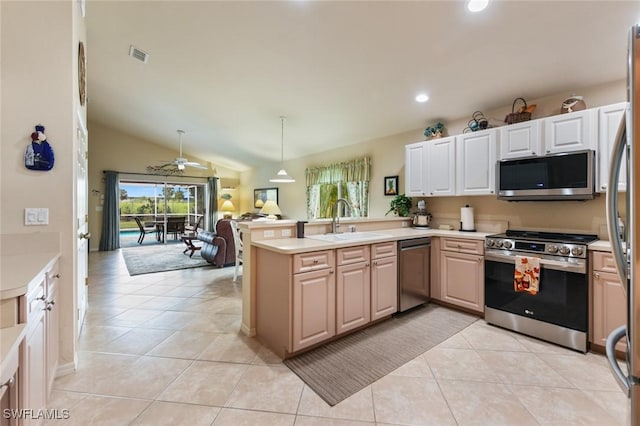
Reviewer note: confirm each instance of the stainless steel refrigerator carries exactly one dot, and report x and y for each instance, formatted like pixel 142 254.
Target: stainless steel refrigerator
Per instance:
pixel 624 243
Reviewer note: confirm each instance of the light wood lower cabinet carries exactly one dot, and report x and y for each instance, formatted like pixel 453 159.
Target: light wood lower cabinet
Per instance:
pixel 35 373
pixel 462 273
pixel 609 309
pixel 314 301
pixel 303 299
pixel 384 280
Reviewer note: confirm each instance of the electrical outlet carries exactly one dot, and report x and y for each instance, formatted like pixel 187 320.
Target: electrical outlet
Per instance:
pixel 286 232
pixel 269 233
pixel 405 224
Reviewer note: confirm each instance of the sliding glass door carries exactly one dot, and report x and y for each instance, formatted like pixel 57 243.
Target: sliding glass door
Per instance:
pixel 153 203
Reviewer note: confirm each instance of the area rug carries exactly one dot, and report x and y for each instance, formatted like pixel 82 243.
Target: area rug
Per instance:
pixel 343 367
pixel 146 260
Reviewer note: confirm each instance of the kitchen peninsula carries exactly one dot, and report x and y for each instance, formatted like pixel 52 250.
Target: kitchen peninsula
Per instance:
pixel 275 258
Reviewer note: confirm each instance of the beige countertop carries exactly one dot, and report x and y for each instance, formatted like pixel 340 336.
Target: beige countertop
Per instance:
pixel 302 245
pixel 600 245
pixel 10 338
pixel 18 272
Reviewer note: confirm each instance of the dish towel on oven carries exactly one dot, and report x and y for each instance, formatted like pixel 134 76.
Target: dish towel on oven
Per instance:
pixel 527 274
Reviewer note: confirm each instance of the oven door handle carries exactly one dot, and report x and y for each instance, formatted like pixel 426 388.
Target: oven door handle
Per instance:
pixel 580 267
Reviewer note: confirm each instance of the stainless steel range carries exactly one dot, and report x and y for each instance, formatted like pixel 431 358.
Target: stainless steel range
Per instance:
pixel 558 311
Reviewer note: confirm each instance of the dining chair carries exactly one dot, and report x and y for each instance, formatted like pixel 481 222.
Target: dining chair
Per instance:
pixel 143 231
pixel 237 241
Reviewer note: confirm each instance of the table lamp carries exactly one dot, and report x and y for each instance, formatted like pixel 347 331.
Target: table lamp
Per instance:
pixel 271 209
pixel 227 207
pixel 259 204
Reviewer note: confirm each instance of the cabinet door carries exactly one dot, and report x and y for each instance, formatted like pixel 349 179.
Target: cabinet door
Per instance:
pixel 521 139
pixel 608 121
pixel 609 307
pixel 415 169
pixel 476 163
pixel 570 132
pixel 314 307
pixel 34 368
pixel 353 298
pixel 463 280
pixel 384 287
pixel 441 167
pixel 53 334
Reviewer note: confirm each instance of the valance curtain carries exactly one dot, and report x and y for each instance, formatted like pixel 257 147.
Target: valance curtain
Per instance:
pixel 349 180
pixel 110 237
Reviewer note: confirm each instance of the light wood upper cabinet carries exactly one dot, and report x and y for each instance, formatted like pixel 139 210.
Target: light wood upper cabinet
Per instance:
pixel 570 132
pixel 415 168
pixel 462 273
pixel 608 121
pixel 609 309
pixel 441 167
pixel 476 159
pixel 521 139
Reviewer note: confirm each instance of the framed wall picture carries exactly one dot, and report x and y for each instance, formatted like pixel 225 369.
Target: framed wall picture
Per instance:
pixel 391 185
pixel 261 195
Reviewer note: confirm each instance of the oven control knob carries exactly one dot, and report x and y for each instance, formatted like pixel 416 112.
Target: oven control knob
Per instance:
pixel 507 244
pixel 564 250
pixel 497 243
pixel 489 243
pixel 552 249
pixel 577 251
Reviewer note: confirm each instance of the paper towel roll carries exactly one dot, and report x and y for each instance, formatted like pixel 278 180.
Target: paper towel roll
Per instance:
pixel 466 219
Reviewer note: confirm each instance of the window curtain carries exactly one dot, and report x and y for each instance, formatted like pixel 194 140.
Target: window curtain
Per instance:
pixel 349 180
pixel 212 204
pixel 110 237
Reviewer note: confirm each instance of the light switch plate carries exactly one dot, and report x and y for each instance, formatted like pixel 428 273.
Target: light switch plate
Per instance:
pixel 286 232
pixel 36 216
pixel 269 233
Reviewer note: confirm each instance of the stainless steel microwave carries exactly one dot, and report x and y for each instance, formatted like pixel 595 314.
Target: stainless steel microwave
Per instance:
pixel 565 176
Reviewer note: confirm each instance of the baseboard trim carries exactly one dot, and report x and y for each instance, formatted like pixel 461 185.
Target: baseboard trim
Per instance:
pixel 64 369
pixel 251 332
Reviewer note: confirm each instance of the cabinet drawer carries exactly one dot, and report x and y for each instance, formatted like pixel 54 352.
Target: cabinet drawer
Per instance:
pixel 312 261
pixel 463 246
pixel 35 303
pixel 387 249
pixel 603 261
pixel 349 255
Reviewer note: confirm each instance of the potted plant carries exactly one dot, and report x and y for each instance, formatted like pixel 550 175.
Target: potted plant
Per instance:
pixel 400 205
pixel 434 131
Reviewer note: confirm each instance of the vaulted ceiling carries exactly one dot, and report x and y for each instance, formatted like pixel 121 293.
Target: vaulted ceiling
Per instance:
pixel 342 72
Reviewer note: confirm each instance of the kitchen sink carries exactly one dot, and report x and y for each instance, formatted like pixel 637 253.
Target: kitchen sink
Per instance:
pixel 348 236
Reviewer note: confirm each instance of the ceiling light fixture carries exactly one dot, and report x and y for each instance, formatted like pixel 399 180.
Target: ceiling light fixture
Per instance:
pixel 422 98
pixel 477 5
pixel 282 176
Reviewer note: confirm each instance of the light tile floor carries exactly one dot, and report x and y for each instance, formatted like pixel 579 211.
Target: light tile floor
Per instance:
pixel 164 349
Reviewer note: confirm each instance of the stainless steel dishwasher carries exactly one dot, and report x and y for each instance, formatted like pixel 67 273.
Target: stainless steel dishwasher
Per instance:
pixel 414 267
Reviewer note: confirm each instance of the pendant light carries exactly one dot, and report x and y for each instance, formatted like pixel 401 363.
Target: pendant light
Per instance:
pixel 282 176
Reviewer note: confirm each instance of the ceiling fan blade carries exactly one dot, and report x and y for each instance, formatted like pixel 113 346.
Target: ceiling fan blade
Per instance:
pixel 196 165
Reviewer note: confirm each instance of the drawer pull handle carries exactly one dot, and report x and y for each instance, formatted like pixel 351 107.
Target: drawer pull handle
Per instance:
pixel 315 260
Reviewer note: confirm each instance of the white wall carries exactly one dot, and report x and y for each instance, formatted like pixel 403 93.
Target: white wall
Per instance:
pixel 39 86
pixel 387 159
pixel 110 149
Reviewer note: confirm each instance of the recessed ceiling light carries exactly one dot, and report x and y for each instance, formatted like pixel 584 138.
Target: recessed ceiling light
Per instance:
pixel 422 98
pixel 477 5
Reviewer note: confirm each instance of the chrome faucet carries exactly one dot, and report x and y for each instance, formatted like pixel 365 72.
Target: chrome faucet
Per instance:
pixel 335 217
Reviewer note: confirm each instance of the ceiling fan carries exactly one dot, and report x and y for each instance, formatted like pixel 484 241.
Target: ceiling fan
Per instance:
pixel 180 162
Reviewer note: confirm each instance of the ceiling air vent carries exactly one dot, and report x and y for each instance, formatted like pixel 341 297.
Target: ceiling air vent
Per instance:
pixel 138 54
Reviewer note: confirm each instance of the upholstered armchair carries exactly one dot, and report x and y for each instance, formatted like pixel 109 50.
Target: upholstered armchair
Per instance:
pixel 218 247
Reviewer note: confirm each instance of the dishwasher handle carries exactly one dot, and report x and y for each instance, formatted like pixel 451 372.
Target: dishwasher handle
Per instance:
pixel 414 243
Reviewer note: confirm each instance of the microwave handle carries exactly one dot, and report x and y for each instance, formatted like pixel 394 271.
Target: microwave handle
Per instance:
pixel 613 228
